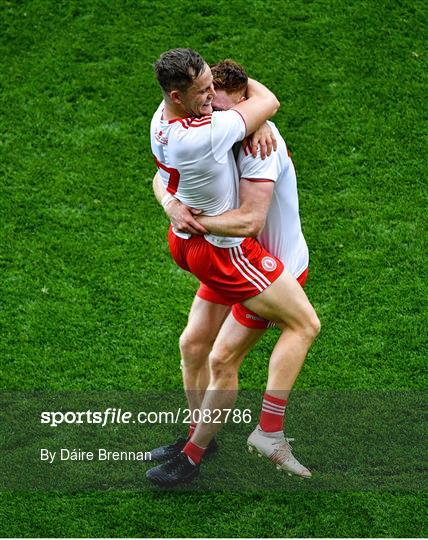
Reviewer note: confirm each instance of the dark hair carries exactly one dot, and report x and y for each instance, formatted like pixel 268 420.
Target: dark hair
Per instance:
pixel 229 76
pixel 178 68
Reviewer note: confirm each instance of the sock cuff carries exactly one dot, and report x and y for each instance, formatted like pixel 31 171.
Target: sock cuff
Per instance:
pixel 275 400
pixel 194 452
pixel 191 444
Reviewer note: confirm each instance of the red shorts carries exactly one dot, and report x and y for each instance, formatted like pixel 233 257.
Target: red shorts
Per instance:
pixel 232 274
pixel 250 319
pixel 243 315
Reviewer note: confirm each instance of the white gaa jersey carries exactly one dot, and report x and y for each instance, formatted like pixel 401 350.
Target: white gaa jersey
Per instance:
pixel 195 161
pixel 282 235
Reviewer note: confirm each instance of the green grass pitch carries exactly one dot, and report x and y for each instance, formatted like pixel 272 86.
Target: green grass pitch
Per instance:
pixel 90 298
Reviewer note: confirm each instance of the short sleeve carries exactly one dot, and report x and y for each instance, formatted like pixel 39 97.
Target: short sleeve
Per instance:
pixel 258 168
pixel 227 128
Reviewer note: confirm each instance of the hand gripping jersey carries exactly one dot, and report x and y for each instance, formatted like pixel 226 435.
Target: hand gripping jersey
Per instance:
pixel 195 161
pixel 282 235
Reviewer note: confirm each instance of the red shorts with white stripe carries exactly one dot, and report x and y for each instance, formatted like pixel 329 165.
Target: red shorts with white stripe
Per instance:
pixel 250 319
pixel 243 315
pixel 232 274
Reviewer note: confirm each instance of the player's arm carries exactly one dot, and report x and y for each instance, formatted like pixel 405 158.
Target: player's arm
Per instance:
pixel 179 214
pixel 260 105
pixel 247 220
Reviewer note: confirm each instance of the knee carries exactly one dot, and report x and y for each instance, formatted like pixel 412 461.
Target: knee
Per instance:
pixel 313 326
pixel 194 350
pixel 222 366
pixel 307 326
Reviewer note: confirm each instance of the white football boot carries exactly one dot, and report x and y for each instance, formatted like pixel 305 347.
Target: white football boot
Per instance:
pixel 278 450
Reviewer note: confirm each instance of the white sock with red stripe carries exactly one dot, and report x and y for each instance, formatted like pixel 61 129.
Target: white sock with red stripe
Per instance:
pixel 273 413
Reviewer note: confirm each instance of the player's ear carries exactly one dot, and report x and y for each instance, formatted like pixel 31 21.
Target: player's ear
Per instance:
pixel 175 96
pixel 241 99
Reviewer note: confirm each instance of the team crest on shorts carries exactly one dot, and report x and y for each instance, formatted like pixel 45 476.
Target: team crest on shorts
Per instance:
pixel 269 264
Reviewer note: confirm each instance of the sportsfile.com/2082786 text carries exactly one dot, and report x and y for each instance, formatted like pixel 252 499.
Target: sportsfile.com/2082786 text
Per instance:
pixel 113 415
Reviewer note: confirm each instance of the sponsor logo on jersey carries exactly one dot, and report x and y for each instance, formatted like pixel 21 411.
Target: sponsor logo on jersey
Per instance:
pixel 269 264
pixel 161 137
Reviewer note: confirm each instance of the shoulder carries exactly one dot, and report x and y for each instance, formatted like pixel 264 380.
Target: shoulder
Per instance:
pixel 157 115
pixel 224 118
pixel 190 134
pixel 191 123
pixel 256 167
pixel 189 127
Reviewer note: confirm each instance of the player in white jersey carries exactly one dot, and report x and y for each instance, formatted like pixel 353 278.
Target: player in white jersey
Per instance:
pixel 282 234
pixel 196 164
pixel 283 302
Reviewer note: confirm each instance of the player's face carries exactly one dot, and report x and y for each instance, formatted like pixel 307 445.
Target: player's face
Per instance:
pixel 224 101
pixel 198 99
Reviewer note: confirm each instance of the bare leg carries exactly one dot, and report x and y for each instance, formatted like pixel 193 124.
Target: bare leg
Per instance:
pixel 232 344
pixel 284 301
pixel 196 341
